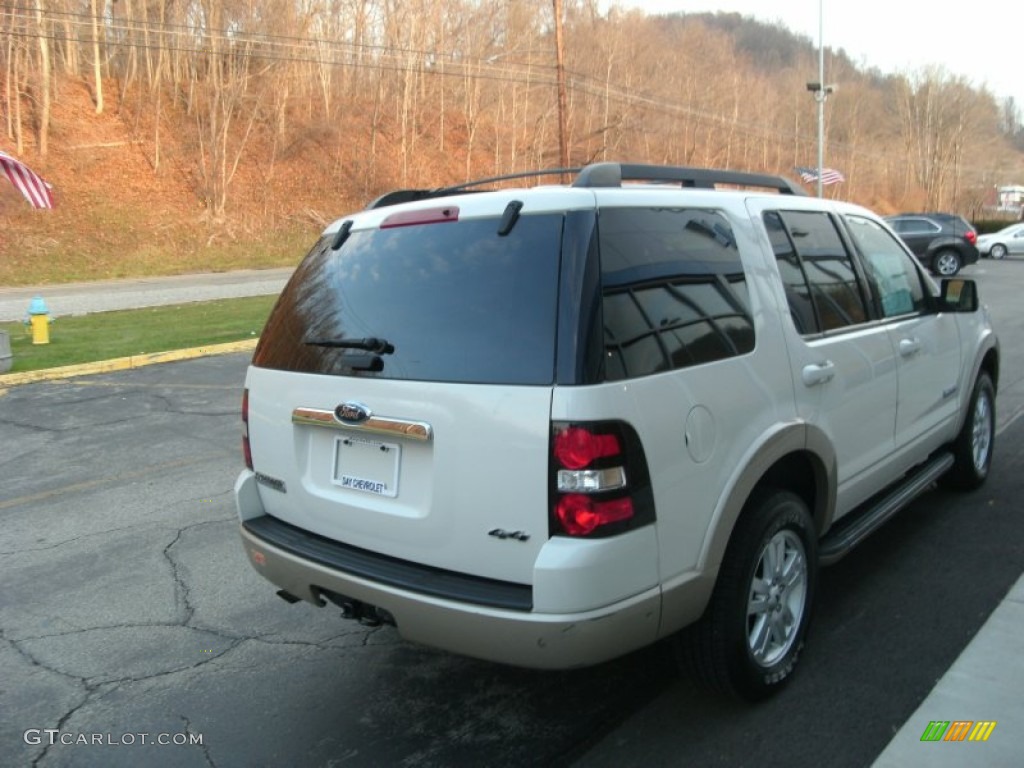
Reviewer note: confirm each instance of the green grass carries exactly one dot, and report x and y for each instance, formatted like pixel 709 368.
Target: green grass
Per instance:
pixel 108 335
pixel 66 247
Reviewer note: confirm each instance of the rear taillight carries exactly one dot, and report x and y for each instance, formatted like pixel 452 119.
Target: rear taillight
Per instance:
pixel 246 450
pixel 972 237
pixel 599 480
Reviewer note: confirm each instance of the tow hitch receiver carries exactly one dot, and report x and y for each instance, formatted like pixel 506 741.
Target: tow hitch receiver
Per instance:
pixel 366 614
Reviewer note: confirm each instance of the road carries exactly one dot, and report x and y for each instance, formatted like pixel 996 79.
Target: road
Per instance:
pixel 131 293
pixel 128 611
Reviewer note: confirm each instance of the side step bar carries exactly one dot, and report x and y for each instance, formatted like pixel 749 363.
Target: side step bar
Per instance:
pixel 857 526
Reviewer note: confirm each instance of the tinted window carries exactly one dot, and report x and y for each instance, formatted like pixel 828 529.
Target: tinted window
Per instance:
pixel 914 226
pixel 794 281
pixel 822 286
pixel 893 274
pixel 456 301
pixel 674 291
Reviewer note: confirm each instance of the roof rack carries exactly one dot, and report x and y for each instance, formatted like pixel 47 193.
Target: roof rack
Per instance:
pixel 611 175
pixel 409 195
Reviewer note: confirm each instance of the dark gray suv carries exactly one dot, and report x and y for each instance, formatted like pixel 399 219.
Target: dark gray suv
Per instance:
pixel 944 242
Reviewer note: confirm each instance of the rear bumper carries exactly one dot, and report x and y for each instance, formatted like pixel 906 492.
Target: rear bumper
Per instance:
pixel 518 637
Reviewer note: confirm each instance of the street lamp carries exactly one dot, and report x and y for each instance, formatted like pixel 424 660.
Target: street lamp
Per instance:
pixel 821 92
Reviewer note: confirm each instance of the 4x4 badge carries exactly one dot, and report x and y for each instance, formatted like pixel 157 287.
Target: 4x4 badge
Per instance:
pixel 500 533
pixel 352 413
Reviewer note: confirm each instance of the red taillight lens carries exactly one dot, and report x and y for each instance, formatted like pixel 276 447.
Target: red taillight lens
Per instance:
pixel 576 448
pixel 972 237
pixel 246 450
pixel 580 514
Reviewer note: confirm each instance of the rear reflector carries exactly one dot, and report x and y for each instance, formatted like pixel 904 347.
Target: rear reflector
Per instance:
pixel 246 450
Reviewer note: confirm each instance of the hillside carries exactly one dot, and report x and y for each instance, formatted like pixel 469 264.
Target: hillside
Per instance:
pixel 232 143
pixel 118 216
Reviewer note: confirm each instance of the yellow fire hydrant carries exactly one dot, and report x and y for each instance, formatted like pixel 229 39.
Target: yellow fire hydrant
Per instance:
pixel 39 318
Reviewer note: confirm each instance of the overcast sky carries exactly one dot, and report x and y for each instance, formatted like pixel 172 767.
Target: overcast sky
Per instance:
pixel 980 40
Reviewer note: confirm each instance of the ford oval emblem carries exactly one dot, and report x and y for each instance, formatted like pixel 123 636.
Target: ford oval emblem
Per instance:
pixel 352 413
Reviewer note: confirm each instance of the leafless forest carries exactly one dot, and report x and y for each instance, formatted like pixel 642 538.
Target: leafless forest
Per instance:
pixel 377 94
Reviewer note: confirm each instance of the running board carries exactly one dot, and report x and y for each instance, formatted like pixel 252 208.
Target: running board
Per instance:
pixel 855 527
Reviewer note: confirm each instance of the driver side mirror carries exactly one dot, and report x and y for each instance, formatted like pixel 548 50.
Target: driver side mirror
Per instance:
pixel 958 295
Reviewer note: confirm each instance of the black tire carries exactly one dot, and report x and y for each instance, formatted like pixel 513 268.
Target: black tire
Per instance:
pixel 972 449
pixel 998 251
pixel 720 649
pixel 946 262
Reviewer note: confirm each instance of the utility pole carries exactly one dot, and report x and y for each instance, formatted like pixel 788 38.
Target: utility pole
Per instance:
pixel 563 146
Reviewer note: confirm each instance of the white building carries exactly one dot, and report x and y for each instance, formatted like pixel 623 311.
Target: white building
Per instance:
pixel 1010 198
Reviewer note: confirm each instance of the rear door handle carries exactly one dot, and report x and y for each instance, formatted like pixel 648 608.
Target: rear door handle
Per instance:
pixel 910 347
pixel 818 373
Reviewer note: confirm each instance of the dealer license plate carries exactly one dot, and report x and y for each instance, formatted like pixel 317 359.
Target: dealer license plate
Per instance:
pixel 367 466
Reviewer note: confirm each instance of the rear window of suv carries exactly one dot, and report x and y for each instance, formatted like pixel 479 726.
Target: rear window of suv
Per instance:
pixel 452 302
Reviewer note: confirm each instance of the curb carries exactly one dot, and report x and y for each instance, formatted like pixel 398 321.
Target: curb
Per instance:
pixel 124 363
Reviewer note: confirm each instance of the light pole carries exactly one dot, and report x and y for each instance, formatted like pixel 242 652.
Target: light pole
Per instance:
pixel 821 92
pixel 563 147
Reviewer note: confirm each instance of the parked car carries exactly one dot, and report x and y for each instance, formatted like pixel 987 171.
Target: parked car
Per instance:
pixel 944 242
pixel 998 245
pixel 547 426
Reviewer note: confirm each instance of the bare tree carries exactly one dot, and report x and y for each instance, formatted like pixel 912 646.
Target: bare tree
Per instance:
pixel 44 81
pixel 96 61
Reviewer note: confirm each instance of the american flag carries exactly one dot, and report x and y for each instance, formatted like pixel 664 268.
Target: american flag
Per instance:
pixel 828 175
pixel 26 181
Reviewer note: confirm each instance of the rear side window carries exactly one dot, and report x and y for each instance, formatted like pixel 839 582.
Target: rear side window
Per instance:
pixel 822 286
pixel 450 302
pixel 674 292
pixel 894 277
pixel 915 226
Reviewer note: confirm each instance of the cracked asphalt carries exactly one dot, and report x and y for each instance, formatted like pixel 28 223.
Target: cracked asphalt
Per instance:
pixel 129 613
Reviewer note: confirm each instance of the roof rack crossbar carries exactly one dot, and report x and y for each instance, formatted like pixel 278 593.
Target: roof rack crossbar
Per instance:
pixel 613 174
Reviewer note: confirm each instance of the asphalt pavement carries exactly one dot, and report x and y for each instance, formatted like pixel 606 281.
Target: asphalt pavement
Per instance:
pixel 980 698
pixel 106 295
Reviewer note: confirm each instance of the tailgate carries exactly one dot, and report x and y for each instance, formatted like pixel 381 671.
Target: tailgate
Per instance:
pixel 426 478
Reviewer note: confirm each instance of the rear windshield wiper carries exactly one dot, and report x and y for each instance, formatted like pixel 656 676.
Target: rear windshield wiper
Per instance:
pixel 370 344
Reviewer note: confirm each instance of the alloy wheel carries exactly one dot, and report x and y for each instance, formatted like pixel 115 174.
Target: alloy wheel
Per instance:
pixel 777 599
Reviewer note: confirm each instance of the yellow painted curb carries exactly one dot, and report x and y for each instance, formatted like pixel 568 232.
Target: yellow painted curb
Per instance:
pixel 124 363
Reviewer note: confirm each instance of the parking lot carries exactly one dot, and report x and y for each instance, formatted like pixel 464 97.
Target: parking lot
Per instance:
pixel 134 631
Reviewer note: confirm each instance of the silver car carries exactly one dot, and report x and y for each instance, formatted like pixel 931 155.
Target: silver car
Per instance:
pixel 998 245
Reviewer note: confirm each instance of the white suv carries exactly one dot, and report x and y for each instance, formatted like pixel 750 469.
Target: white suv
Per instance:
pixel 547 426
